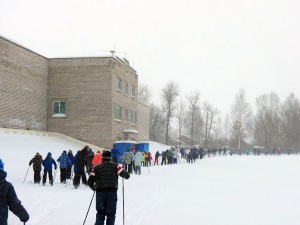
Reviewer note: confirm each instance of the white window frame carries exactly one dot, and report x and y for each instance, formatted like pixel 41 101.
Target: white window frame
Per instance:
pixel 133 92
pixel 119 84
pixel 126 115
pixel 59 114
pixel 126 89
pixel 133 118
pixel 117 115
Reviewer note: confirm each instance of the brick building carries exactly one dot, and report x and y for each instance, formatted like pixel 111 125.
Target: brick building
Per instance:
pixel 93 99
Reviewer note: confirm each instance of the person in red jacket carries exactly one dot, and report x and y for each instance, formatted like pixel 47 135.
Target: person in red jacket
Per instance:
pixel 97 160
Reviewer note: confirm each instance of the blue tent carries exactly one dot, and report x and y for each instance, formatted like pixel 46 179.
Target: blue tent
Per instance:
pixel 142 147
pixel 123 146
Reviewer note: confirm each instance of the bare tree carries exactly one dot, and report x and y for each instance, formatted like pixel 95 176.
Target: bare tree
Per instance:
pixel 290 115
pixel 144 94
pixel 180 115
pixel 157 123
pixel 209 116
pixel 240 115
pixel 169 94
pixel 267 121
pixel 193 102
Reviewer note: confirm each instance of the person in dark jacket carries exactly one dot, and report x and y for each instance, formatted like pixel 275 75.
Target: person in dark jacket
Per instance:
pixel 47 163
pixel 69 168
pixel 164 158
pixel 89 164
pixel 104 180
pixel 80 162
pixel 37 167
pixel 114 154
pixel 9 200
pixel 64 163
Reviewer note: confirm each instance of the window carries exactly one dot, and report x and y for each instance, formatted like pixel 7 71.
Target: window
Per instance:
pixel 59 108
pixel 117 112
pixel 126 88
pixel 133 118
pixel 119 84
pixel 133 92
pixel 126 115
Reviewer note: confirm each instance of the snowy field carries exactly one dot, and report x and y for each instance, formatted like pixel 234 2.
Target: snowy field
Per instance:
pixel 253 190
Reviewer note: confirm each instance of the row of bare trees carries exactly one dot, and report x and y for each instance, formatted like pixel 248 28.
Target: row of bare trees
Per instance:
pixel 189 120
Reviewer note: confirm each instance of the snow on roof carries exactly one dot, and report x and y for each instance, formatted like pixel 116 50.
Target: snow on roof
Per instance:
pixel 130 131
pixel 125 141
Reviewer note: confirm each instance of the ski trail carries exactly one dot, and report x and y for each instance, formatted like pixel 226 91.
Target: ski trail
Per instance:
pixel 153 202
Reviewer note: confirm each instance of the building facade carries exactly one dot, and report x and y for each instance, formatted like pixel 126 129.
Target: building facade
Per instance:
pixel 93 99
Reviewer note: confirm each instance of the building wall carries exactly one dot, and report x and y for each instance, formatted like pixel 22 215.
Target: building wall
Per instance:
pixel 143 122
pixel 123 71
pixel 86 85
pixel 23 87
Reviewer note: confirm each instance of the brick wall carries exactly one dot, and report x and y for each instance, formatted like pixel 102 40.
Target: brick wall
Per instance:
pixel 86 85
pixel 123 71
pixel 23 87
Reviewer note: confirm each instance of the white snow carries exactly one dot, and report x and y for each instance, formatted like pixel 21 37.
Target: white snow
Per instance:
pixel 253 190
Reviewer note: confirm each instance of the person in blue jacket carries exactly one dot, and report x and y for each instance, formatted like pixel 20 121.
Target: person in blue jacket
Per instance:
pixel 47 163
pixel 114 154
pixel 9 199
pixel 64 163
pixel 72 160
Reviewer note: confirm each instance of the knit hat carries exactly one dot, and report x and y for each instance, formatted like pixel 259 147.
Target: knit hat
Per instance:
pixel 98 151
pixel 106 155
pixel 2 167
pixel 49 154
pixel 65 151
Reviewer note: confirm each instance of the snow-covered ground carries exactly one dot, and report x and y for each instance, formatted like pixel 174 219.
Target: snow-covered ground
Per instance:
pixel 253 190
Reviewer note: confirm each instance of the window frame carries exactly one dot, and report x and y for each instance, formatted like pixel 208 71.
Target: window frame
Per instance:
pixel 59 113
pixel 119 84
pixel 117 115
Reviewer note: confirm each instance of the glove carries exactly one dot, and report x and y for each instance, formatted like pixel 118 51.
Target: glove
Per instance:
pixel 93 188
pixel 24 220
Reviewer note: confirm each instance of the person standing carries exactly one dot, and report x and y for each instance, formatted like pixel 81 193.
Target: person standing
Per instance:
pixel 138 162
pixel 97 160
pixel 80 162
pixel 37 167
pixel 47 163
pixel 127 159
pixel 104 180
pixel 69 169
pixel 9 200
pixel 156 157
pixel 64 163
pixel 115 154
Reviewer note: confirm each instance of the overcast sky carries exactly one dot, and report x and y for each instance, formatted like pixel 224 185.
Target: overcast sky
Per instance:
pixel 215 46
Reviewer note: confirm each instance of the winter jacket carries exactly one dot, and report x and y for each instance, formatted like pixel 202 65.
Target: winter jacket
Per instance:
pixel 175 154
pixel 97 160
pixel 164 155
pixel 104 177
pixel 143 157
pixel 71 158
pixel 47 163
pixel 90 158
pixel 114 152
pixel 148 157
pixel 127 158
pixel 37 162
pixel 9 199
pixel 157 154
pixel 138 159
pixel 64 161
pixel 80 160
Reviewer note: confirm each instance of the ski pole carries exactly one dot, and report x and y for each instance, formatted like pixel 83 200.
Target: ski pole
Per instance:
pixel 89 208
pixel 148 169
pixel 26 173
pixel 123 201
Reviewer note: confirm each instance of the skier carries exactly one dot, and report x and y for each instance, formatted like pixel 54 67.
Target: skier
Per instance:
pixel 9 200
pixel 156 157
pixel 80 162
pixel 143 159
pixel 97 160
pixel 72 160
pixel 89 164
pixel 163 158
pixel 174 156
pixel 64 163
pixel 114 154
pixel 127 159
pixel 47 163
pixel 104 180
pixel 37 167
pixel 138 162
pixel 148 158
